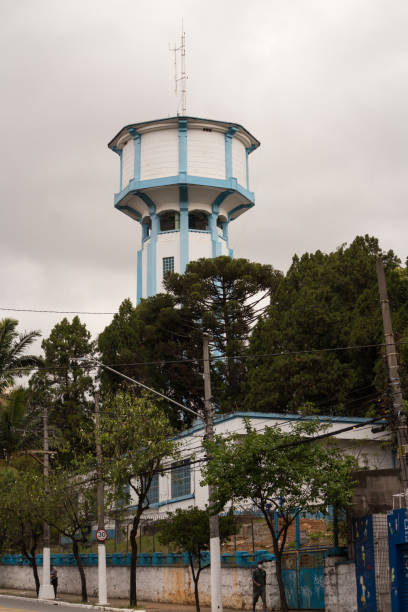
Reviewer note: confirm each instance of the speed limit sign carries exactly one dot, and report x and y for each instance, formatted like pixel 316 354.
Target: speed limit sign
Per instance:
pixel 101 535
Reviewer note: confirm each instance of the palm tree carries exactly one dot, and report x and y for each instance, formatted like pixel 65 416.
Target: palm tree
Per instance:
pixel 12 348
pixel 19 423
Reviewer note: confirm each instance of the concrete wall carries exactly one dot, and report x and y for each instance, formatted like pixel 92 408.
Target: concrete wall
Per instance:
pixel 175 585
pixel 340 590
pixel 156 584
pixel 374 490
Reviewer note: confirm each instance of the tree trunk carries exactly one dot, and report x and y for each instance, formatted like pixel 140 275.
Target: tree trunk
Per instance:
pixel 282 593
pixel 33 563
pixel 133 563
pixel 195 580
pixel 81 570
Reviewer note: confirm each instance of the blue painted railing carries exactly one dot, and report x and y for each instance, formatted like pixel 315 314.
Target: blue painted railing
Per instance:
pixel 157 559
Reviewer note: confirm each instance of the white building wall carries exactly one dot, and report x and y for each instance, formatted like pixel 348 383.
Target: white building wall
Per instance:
pixel 144 269
pixel 206 154
pixel 199 245
pixel 201 198
pixel 159 154
pixel 239 162
pixel 168 245
pixel 128 157
pixel 368 448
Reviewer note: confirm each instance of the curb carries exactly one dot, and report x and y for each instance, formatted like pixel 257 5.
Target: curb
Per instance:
pixel 53 602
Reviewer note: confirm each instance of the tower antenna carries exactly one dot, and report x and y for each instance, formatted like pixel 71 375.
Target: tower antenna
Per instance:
pixel 180 76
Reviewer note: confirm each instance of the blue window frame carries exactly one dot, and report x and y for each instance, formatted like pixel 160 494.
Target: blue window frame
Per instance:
pixel 153 493
pixel 181 479
pixel 168 265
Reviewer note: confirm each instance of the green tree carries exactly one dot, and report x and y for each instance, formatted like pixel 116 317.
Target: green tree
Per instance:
pixel 327 301
pixel 71 510
pixel 20 424
pixel 279 472
pixel 66 385
pixel 13 347
pixel 136 439
pixel 23 505
pixel 224 297
pixel 189 531
pixel 152 344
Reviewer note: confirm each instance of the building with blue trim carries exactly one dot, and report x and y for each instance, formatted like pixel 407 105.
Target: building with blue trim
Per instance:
pixel 183 179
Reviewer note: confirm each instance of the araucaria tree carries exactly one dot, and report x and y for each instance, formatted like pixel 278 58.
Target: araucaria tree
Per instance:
pixel 279 470
pixel 224 297
pixel 188 531
pixel 136 439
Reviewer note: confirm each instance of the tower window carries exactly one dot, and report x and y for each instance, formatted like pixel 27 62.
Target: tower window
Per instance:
pixel 169 221
pixel 198 220
pixel 168 265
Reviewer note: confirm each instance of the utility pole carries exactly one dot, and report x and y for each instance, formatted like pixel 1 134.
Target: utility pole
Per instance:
pixel 392 362
pixel 46 588
pixel 215 548
pixel 102 587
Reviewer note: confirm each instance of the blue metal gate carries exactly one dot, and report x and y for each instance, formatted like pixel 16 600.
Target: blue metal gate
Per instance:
pixel 303 577
pixel 365 565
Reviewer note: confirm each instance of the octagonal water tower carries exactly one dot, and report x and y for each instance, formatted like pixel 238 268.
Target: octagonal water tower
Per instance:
pixel 184 179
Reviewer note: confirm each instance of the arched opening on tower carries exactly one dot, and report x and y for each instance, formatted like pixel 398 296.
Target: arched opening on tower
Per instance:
pixel 146 227
pixel 198 220
pixel 169 220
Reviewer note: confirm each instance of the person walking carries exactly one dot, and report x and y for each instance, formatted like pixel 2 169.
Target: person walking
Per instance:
pixel 259 585
pixel 54 579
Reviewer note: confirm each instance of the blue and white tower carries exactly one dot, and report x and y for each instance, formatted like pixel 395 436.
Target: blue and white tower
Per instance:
pixel 184 179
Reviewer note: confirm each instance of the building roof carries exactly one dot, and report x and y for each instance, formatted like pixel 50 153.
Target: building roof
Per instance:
pixel 145 125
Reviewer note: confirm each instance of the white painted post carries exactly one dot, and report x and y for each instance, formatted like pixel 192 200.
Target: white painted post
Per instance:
pixel 102 587
pixel 46 589
pixel 102 582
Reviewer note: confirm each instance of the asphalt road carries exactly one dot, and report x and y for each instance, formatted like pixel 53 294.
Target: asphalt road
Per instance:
pixel 30 605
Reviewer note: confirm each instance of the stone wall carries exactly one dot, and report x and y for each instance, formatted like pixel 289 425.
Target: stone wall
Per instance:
pixel 340 589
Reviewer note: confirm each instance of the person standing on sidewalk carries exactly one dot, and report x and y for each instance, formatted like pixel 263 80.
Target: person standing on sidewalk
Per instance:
pixel 54 579
pixel 259 585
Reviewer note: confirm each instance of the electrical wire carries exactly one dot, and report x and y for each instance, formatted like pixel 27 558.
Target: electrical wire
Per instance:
pixel 212 358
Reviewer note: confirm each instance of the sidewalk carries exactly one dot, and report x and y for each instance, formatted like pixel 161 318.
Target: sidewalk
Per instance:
pixel 117 603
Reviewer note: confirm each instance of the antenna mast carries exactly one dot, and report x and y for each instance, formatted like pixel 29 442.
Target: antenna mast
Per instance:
pixel 182 75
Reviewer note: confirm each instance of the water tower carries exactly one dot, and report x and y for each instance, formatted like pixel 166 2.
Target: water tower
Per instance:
pixel 183 179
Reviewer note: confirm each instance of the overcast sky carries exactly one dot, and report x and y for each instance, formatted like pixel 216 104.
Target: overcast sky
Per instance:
pixel 321 83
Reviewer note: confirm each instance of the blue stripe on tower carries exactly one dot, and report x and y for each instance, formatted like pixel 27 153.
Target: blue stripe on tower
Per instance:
pixel 183 191
pixel 119 152
pixel 152 244
pixel 248 150
pixel 139 290
pixel 215 240
pixel 136 142
pixel 182 137
pixel 229 135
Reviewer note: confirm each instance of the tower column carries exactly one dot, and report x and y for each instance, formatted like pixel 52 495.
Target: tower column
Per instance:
pixel 184 255
pixel 152 253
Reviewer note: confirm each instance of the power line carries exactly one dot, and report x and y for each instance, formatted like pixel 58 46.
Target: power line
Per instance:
pixel 212 358
pixel 76 312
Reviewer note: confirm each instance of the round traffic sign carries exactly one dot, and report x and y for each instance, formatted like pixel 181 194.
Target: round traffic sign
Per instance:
pixel 102 535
